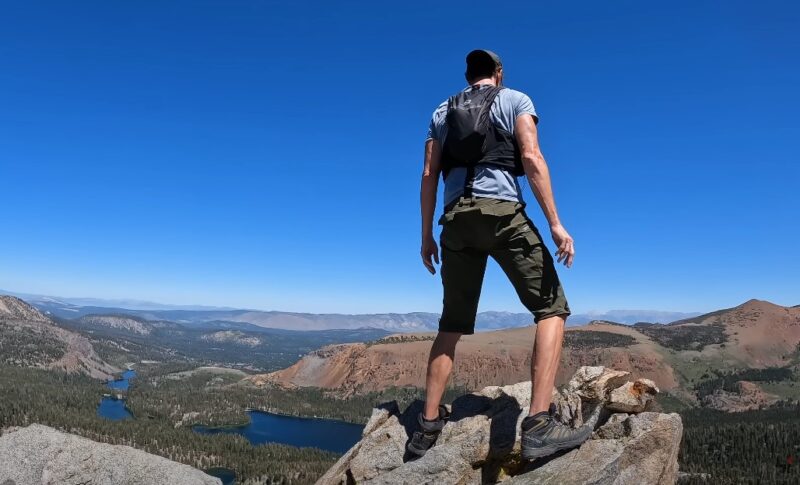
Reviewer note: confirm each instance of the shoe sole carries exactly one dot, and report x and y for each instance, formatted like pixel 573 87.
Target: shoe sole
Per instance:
pixel 415 451
pixel 542 451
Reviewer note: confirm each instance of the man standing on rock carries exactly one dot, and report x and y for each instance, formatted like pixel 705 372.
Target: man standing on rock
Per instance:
pixel 482 139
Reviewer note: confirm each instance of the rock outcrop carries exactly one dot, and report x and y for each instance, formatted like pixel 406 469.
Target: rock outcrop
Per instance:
pixel 481 444
pixel 39 455
pixel 233 337
pixel 125 323
pixel 747 396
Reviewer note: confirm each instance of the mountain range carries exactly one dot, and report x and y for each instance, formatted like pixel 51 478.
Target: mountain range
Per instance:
pixel 72 308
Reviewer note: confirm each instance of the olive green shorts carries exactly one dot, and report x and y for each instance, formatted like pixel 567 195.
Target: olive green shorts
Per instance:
pixel 474 229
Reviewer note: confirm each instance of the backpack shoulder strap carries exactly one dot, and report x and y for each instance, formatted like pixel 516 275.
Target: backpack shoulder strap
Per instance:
pixel 483 116
pixel 450 102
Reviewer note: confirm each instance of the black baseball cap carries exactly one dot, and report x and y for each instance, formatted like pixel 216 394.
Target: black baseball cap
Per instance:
pixel 481 60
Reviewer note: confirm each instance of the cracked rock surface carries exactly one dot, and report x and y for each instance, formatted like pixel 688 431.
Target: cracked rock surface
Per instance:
pixel 480 444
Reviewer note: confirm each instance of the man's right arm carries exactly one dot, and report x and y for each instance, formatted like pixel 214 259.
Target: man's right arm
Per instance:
pixel 427 198
pixel 539 177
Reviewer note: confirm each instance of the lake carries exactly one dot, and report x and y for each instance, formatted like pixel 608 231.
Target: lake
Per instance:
pixel 227 476
pixel 122 384
pixel 114 409
pixel 327 434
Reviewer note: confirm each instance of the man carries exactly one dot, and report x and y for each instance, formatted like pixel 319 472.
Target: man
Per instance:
pixel 483 139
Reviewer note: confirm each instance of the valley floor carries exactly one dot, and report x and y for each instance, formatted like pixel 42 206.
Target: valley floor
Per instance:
pixel 751 447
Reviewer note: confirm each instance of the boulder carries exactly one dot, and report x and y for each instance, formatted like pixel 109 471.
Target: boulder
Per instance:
pixel 632 397
pixel 639 448
pixel 481 444
pixel 593 383
pixel 41 455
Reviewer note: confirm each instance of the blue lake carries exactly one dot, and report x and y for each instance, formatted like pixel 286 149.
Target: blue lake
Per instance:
pixel 328 434
pixel 227 476
pixel 122 384
pixel 114 409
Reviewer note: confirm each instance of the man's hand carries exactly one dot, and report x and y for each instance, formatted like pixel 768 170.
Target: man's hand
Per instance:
pixel 565 243
pixel 429 251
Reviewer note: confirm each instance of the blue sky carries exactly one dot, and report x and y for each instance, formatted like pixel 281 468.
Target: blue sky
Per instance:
pixel 267 155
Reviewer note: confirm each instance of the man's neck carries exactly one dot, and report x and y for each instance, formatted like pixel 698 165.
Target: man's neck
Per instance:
pixel 487 80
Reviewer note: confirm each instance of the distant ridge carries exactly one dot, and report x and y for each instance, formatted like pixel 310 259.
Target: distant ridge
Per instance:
pixel 393 322
pixel 128 304
pixel 630 317
pixel 73 308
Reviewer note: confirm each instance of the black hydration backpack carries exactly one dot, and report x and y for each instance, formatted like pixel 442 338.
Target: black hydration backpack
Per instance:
pixel 473 139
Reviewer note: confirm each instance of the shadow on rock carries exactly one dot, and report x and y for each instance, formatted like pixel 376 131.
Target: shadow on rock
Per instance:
pixel 502 411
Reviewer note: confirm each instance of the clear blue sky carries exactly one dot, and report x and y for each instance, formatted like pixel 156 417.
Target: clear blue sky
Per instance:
pixel 267 154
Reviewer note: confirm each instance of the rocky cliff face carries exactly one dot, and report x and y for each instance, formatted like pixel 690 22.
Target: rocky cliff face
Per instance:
pixel 481 443
pixel 41 455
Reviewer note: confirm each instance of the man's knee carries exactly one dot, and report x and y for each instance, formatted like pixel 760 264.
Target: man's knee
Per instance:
pixel 445 343
pixel 447 338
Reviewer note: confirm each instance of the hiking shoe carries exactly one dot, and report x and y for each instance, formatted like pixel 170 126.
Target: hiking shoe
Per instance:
pixel 425 437
pixel 542 436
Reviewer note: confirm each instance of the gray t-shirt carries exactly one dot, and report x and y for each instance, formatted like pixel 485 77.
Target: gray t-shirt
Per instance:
pixel 490 181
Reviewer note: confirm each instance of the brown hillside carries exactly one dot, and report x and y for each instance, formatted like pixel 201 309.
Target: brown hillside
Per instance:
pixel 756 334
pixel 30 339
pixel 486 358
pixel 759 333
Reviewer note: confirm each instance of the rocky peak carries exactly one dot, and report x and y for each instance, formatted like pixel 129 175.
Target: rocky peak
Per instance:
pixel 14 308
pixel 759 306
pixel 481 443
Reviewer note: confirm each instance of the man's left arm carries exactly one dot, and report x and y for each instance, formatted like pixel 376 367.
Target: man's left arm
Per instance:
pixel 539 177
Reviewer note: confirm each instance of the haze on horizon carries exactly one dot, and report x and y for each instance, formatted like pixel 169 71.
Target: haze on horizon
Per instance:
pixel 621 315
pixel 268 155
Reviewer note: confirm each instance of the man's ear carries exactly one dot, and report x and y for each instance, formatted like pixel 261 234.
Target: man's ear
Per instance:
pixel 499 76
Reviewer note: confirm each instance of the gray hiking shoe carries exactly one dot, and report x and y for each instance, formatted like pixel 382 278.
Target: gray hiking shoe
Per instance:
pixel 542 436
pixel 427 433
